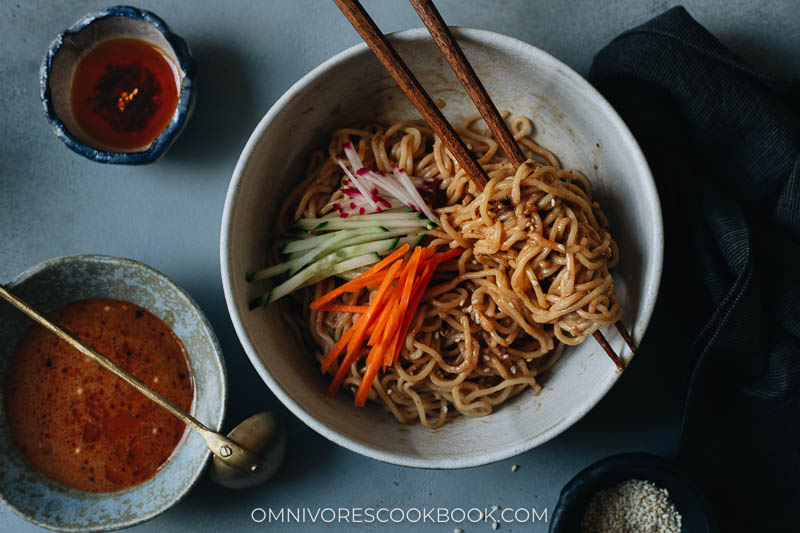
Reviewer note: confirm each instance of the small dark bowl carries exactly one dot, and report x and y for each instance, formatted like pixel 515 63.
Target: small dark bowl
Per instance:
pixel 63 55
pixel 695 510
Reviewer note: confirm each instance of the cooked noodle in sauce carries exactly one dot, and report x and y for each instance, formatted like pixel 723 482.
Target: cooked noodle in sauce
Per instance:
pixel 534 275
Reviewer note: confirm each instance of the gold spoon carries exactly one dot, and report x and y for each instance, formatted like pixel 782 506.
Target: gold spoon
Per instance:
pixel 235 465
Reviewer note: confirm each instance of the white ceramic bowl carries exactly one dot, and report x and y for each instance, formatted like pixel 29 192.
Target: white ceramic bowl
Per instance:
pixel 571 118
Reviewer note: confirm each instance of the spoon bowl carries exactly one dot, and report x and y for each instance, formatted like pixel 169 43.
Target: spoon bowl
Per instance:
pixel 264 434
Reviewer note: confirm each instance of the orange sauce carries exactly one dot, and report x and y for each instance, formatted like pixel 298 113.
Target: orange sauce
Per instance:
pixel 124 93
pixel 79 424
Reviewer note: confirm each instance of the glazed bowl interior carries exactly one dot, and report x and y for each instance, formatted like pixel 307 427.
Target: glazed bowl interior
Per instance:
pixel 55 283
pixel 570 118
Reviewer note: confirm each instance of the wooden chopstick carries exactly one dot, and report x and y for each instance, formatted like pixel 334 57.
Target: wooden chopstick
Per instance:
pixel 623 331
pixel 472 84
pixel 469 79
pixel 387 55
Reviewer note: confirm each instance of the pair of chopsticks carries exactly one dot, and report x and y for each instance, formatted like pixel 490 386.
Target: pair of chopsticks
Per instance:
pixel 387 55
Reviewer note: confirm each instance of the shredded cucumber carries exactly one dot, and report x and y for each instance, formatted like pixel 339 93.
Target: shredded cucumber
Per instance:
pixel 318 271
pixel 350 265
pixel 323 252
pixel 352 251
pixel 388 220
pixel 358 239
pixel 411 240
pixel 345 248
pixel 368 234
pixel 293 265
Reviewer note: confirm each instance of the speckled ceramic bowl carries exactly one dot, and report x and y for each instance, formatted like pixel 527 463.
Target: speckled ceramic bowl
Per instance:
pixel 56 282
pixel 570 117
pixel 70 46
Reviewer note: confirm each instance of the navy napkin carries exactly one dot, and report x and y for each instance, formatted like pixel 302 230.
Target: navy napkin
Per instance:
pixel 723 142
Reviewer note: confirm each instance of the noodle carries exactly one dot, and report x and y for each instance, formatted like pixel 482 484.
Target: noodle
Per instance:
pixel 534 275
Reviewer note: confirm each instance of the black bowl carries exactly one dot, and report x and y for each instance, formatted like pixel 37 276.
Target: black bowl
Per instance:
pixel 696 514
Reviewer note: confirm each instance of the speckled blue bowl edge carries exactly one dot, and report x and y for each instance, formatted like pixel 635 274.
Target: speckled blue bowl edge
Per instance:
pixel 213 425
pixel 183 111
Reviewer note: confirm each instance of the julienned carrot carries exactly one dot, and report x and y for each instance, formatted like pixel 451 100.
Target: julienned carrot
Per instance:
pixel 377 267
pixel 416 296
pixel 344 366
pixel 391 337
pixel 399 302
pixel 358 330
pixel 417 292
pixel 353 285
pixel 394 322
pixel 374 361
pixel 337 349
pixel 388 317
pixel 374 308
pixel 345 308
pixel 334 354
pixel 373 364
pixel 449 254
pixel 388 260
pixel 381 324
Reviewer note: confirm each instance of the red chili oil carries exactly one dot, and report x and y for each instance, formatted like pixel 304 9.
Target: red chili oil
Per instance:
pixel 124 93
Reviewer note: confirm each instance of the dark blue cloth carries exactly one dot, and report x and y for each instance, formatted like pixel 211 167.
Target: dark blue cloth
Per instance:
pixel 723 142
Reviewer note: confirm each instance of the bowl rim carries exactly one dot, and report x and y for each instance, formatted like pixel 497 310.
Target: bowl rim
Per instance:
pixel 215 425
pixel 183 108
pixel 649 293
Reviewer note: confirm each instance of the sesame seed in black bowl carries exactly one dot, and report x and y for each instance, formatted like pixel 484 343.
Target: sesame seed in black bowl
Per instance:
pixel 632 493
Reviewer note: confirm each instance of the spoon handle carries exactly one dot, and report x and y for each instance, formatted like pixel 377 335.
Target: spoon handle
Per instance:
pixel 222 447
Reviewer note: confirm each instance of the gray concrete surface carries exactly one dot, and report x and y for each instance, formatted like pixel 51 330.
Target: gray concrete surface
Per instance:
pixel 53 202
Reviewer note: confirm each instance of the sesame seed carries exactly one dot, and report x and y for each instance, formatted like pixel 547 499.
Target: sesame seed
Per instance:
pixel 457 530
pixel 495 525
pixel 495 507
pixel 505 356
pixel 513 370
pixel 633 505
pixel 514 468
